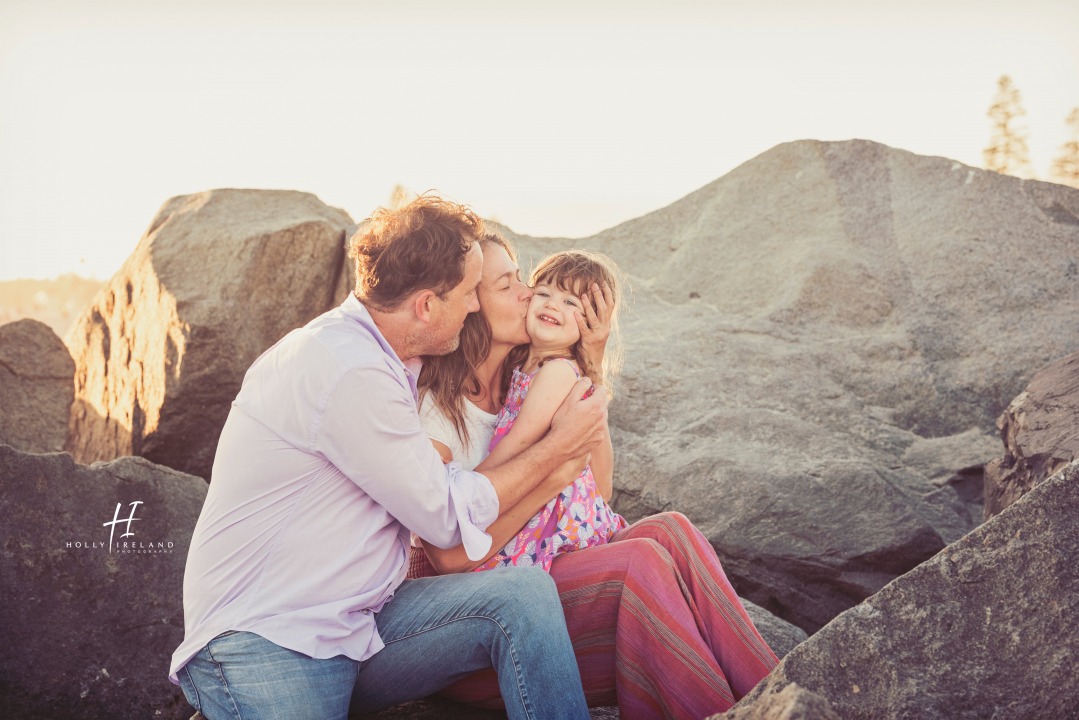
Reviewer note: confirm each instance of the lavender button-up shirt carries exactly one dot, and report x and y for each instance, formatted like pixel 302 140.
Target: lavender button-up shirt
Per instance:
pixel 321 471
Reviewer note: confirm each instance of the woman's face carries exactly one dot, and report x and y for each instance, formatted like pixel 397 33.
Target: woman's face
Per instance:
pixel 503 296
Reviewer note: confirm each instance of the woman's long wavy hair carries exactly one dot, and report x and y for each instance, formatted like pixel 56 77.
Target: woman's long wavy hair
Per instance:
pixel 448 377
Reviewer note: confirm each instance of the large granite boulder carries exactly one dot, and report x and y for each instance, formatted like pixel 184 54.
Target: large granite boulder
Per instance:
pixel 813 358
pixel 36 387
pixel 218 278
pixel 780 635
pixel 985 629
pixel 1040 430
pixel 788 703
pixel 91 617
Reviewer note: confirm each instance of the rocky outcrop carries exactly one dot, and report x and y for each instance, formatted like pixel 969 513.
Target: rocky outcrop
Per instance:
pixel 813 359
pixel 36 387
pixel 813 365
pixel 780 635
pixel 91 617
pixel 789 703
pixel 218 278
pixel 985 629
pixel 1040 430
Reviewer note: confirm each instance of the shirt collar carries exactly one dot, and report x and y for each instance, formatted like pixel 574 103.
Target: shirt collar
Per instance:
pixel 353 308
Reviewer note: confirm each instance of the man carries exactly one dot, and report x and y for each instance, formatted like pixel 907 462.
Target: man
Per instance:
pixel 295 602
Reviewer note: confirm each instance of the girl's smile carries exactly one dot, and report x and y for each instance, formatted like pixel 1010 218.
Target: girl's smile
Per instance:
pixel 544 317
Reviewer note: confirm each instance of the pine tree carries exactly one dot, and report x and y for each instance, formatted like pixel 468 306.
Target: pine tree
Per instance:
pixel 1065 169
pixel 1007 150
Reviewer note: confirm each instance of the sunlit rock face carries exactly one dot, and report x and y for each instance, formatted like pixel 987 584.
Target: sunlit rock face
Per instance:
pixel 218 278
pixel 1040 430
pixel 817 347
pixel 36 388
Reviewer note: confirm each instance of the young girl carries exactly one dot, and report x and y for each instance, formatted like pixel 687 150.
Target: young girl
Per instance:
pixel 543 374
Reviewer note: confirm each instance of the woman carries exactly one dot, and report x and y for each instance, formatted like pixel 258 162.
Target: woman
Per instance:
pixel 656 625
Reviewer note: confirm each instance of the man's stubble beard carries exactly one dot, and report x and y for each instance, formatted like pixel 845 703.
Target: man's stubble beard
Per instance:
pixel 427 345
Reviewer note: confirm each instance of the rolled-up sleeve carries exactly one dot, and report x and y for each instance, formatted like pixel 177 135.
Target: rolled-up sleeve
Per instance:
pixel 473 498
pixel 370 430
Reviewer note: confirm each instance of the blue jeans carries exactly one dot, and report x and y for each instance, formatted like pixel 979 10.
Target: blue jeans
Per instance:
pixel 437 630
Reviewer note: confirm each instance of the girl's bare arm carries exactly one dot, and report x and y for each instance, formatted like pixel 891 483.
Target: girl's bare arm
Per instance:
pixel 549 389
pixel 509 522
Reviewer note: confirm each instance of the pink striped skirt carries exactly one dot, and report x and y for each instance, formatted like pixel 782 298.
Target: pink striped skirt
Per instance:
pixel 655 624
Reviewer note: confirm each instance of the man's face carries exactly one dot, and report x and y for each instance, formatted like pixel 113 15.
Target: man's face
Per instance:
pixel 449 314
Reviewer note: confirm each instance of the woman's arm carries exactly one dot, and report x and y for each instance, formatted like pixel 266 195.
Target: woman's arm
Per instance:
pixel 602 464
pixel 443 451
pixel 595 326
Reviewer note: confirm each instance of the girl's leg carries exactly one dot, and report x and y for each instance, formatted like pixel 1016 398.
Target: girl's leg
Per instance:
pixel 738 647
pixel 636 640
pixel 645 614
pixel 636 637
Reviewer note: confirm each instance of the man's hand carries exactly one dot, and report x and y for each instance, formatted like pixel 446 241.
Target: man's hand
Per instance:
pixel 595 326
pixel 580 423
pixel 566 473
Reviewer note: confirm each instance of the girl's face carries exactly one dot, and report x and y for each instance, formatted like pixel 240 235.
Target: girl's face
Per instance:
pixel 503 296
pixel 551 320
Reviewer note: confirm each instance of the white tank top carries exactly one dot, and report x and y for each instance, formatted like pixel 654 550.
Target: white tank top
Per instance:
pixel 480 424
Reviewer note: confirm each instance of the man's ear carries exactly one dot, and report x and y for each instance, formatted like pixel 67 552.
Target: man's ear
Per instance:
pixel 423 304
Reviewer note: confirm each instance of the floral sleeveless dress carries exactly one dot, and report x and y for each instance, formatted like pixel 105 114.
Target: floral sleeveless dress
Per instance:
pixel 577 518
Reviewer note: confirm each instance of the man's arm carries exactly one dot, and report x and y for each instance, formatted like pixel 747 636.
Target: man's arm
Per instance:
pixel 508 524
pixel 372 433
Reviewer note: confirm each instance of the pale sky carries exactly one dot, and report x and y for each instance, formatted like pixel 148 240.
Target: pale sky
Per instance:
pixel 556 118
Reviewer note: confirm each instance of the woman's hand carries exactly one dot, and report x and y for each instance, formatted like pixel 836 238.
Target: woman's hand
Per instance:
pixel 595 327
